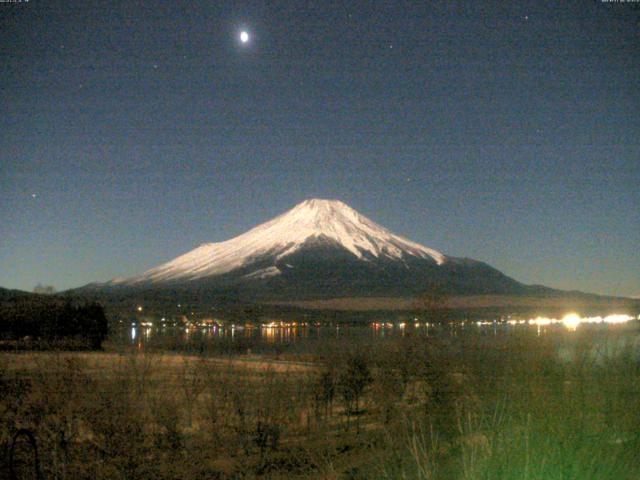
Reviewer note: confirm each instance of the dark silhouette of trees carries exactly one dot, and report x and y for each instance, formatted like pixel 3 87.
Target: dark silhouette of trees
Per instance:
pixel 53 319
pixel 325 390
pixel 352 381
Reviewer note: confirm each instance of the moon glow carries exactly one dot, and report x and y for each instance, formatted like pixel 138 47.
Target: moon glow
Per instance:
pixel 244 36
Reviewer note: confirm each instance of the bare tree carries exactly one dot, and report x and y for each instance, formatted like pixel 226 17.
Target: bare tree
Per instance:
pixel 352 381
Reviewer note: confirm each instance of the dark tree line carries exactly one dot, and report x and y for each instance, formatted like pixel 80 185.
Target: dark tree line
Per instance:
pixel 52 319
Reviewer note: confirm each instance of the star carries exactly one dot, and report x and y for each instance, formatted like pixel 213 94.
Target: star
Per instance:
pixel 34 195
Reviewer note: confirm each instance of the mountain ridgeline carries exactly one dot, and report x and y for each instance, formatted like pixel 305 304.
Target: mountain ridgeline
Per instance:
pixel 319 249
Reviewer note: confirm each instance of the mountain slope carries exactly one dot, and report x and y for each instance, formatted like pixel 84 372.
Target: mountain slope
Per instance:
pixel 318 249
pixel 285 235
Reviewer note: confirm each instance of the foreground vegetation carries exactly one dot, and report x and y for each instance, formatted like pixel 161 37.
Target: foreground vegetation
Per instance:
pixel 473 407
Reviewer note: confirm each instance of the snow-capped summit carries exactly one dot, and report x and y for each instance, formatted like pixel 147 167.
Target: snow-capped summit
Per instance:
pixel 315 220
pixel 318 249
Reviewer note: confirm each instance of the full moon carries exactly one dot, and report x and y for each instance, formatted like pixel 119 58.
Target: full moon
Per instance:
pixel 244 36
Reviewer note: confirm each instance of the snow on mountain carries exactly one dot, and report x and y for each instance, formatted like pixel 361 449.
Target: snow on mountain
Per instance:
pixel 286 234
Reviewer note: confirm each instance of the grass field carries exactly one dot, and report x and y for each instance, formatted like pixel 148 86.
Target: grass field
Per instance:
pixel 472 407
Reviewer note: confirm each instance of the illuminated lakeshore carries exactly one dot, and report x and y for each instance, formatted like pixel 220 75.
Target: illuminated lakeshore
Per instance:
pixel 280 331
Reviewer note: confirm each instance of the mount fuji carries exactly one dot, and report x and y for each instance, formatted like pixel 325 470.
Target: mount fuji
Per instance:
pixel 319 249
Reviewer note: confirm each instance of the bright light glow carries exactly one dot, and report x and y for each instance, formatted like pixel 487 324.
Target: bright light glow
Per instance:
pixel 541 321
pixel 139 308
pixel 617 318
pixel 244 36
pixel 571 321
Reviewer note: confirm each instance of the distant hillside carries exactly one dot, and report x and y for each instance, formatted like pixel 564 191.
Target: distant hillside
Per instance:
pixel 568 301
pixel 7 295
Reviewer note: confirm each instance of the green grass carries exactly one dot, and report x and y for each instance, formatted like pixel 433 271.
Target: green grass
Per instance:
pixel 531 416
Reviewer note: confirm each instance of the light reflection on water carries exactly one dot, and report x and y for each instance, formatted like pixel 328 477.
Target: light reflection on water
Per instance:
pixel 281 333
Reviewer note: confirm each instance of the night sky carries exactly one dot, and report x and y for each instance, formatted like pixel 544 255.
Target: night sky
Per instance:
pixel 508 132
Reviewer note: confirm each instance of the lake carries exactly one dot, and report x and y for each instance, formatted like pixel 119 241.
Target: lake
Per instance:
pixel 302 338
